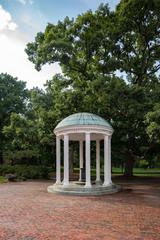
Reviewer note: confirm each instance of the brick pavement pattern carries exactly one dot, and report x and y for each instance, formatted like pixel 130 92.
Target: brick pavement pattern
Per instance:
pixel 29 212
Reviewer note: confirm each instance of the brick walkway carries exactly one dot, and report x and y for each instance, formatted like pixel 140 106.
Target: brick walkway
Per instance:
pixel 28 212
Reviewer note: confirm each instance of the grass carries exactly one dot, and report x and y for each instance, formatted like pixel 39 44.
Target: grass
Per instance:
pixel 149 172
pixel 3 179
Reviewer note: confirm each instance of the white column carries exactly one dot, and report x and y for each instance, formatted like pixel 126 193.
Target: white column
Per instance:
pixel 107 160
pixel 109 157
pixel 88 161
pixel 98 180
pixel 66 160
pixel 58 160
pixel 80 159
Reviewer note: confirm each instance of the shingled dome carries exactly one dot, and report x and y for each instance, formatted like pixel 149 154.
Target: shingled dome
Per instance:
pixel 83 119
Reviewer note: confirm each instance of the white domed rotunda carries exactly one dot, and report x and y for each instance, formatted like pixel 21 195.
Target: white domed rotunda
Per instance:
pixel 84 128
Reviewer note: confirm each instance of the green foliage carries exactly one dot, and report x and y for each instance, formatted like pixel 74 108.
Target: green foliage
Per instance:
pixel 12 96
pixel 26 171
pixel 137 41
pixel 22 157
pixel 12 99
pixel 79 45
pixel 153 121
pixel 22 131
pixel 143 164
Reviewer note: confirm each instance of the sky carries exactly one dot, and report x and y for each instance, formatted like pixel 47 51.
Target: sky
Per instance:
pixel 21 20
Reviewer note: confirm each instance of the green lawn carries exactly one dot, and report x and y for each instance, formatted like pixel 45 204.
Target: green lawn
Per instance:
pixel 2 179
pixel 149 172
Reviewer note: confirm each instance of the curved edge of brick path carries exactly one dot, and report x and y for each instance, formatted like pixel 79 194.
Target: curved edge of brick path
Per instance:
pixel 29 212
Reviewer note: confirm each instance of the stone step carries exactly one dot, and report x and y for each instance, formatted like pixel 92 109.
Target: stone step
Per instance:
pixel 84 191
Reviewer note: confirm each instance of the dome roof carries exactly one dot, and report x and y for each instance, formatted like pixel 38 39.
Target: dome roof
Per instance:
pixel 83 119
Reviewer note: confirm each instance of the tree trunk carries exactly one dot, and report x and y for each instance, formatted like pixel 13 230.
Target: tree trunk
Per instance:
pixel 128 168
pixel 71 158
pixel 83 176
pixel 1 157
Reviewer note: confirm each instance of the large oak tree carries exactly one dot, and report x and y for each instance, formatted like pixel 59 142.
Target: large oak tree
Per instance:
pixel 90 49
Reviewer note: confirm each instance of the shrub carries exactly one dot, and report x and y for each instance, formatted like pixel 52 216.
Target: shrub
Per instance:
pixel 6 169
pixel 26 171
pixel 143 164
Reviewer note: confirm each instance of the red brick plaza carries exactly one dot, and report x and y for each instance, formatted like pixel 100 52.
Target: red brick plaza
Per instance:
pixel 29 212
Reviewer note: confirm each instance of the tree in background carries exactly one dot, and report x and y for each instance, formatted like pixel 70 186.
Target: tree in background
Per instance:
pixel 153 120
pixel 29 136
pixel 21 140
pixel 13 97
pixel 90 49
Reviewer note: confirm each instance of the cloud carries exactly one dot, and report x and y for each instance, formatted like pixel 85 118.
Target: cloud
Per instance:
pixel 24 2
pixel 6 22
pixel 13 60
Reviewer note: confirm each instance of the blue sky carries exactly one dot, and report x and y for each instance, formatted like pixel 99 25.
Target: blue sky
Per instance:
pixel 20 20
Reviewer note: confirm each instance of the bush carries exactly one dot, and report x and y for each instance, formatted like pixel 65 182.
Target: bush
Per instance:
pixel 143 164
pixel 6 169
pixel 25 157
pixel 26 171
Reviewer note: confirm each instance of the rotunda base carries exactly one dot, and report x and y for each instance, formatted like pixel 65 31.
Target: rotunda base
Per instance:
pixel 74 188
